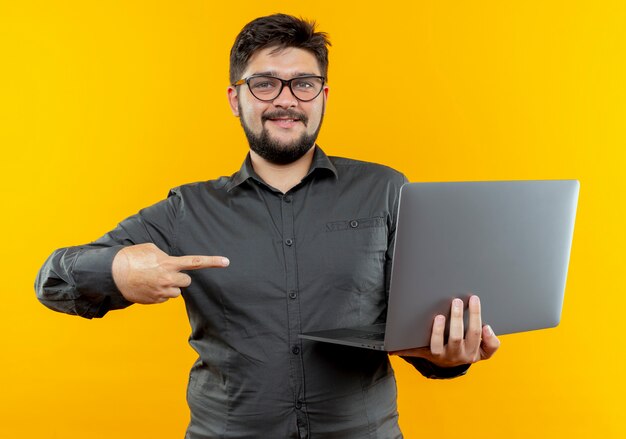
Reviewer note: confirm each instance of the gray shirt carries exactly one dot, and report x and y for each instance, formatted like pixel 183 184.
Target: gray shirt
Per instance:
pixel 317 257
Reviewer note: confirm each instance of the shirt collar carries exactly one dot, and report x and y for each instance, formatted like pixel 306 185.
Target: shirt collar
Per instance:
pixel 320 161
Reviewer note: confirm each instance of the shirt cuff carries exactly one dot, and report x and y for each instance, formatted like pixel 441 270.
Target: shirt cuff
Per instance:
pixel 93 275
pixel 432 371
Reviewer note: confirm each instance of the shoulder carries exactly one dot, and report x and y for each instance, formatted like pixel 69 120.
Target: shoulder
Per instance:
pixel 369 170
pixel 199 188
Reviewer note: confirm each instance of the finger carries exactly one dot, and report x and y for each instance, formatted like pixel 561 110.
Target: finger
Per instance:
pixel 170 293
pixel 456 325
pixel 197 262
pixel 436 337
pixel 181 280
pixel 474 331
pixel 490 343
pixel 165 294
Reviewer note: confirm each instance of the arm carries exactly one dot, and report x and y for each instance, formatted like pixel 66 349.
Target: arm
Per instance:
pixel 432 371
pixel 79 280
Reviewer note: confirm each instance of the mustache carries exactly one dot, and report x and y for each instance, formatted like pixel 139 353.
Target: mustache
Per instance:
pixel 291 114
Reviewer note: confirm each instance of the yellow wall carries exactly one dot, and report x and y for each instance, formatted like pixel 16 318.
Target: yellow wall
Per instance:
pixel 106 105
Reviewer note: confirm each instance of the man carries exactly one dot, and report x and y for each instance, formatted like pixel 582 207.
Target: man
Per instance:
pixel 311 240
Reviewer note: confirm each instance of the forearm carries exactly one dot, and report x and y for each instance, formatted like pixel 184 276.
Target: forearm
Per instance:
pixel 78 281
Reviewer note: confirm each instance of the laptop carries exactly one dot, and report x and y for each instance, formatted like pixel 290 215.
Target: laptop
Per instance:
pixel 506 241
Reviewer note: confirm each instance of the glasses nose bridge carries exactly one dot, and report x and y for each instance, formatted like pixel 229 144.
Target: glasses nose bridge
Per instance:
pixel 286 84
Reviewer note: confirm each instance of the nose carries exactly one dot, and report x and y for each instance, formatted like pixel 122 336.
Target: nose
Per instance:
pixel 285 99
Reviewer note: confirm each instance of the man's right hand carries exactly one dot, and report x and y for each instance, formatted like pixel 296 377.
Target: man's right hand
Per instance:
pixel 145 274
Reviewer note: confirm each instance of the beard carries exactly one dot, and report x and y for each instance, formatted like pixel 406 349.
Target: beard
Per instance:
pixel 275 151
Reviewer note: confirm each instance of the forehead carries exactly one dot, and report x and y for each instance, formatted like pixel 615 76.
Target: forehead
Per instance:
pixel 284 63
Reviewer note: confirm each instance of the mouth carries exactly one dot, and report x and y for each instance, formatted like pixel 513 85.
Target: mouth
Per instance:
pixel 285 120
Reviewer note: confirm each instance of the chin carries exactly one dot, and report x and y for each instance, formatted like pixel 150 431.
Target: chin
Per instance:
pixel 286 142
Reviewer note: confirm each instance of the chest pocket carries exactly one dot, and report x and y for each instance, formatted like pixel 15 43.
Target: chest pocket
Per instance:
pixel 355 258
pixel 355 224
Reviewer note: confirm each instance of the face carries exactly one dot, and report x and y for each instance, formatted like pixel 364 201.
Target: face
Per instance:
pixel 283 130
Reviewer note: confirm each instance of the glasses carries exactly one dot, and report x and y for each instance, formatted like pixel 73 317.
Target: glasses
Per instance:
pixel 268 88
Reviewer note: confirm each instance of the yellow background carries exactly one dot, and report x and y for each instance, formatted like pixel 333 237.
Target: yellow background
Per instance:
pixel 106 105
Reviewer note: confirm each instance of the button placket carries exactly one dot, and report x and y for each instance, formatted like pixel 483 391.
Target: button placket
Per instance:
pixel 293 310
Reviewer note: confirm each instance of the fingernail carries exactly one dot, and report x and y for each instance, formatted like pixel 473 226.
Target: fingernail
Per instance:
pixel 489 330
pixel 474 300
pixel 225 262
pixel 458 303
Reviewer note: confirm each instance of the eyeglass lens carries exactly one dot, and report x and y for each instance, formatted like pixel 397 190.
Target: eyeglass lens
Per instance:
pixel 268 87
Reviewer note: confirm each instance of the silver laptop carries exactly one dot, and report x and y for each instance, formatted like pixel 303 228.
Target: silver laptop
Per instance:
pixel 506 241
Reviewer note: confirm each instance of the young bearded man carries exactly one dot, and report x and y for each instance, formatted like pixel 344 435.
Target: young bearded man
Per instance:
pixel 309 240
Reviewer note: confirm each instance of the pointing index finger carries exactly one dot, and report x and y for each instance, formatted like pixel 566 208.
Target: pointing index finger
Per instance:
pixel 197 262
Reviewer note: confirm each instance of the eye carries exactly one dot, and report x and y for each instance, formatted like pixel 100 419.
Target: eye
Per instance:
pixel 263 84
pixel 266 84
pixel 304 84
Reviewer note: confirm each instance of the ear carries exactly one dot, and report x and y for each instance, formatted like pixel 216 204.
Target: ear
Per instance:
pixel 325 91
pixel 233 100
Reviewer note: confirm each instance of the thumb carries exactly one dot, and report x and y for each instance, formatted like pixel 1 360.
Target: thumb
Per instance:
pixel 489 344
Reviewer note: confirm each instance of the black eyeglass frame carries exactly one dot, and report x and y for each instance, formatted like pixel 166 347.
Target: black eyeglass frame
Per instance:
pixel 283 83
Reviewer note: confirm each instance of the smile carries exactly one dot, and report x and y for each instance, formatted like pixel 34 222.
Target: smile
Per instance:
pixel 284 123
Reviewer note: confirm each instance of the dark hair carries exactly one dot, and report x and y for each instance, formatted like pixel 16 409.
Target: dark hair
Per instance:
pixel 280 31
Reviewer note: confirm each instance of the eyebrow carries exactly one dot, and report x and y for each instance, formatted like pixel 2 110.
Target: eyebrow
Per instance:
pixel 275 74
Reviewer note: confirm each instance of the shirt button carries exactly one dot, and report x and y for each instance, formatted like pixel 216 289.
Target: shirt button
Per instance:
pixel 354 224
pixel 289 241
pixel 295 350
pixel 293 295
pixel 298 404
pixel 287 199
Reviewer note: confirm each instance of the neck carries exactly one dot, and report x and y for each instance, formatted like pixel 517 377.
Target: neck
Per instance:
pixel 282 177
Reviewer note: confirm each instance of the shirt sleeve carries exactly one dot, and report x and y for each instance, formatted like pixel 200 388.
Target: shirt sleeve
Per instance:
pixel 391 237
pixel 430 370
pixel 78 280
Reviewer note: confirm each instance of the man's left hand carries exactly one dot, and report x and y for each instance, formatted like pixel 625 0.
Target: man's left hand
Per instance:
pixel 479 343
